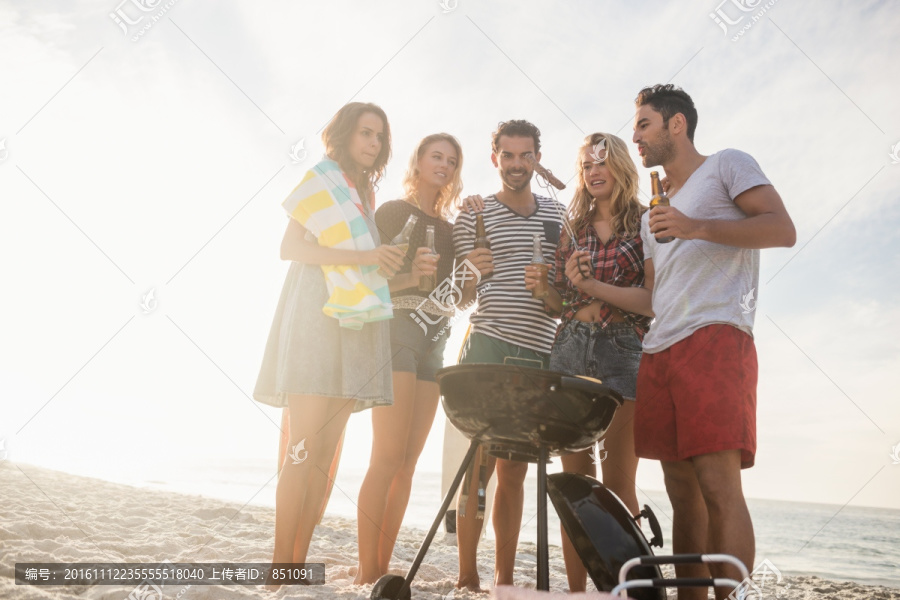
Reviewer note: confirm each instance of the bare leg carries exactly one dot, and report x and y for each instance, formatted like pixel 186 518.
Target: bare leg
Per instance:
pixel 316 491
pixel 620 467
pixel 285 436
pixel 579 462
pixel 282 452
pixel 425 406
pixel 689 522
pixel 468 530
pixel 730 527
pixel 390 431
pixel 314 420
pixel 508 503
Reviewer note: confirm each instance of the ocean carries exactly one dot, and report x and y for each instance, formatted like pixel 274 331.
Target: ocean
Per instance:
pixel 845 544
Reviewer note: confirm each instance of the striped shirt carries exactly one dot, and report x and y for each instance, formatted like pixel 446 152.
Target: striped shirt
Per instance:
pixel 506 310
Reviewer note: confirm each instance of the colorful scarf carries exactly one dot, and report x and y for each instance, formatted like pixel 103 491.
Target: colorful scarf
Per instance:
pixel 326 206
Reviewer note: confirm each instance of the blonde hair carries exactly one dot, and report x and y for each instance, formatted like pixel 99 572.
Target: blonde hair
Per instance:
pixel 450 192
pixel 625 209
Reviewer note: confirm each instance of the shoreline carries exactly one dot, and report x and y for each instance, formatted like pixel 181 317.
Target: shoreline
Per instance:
pixel 51 516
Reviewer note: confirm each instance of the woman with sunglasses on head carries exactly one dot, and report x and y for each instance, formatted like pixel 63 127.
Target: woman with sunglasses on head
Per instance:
pixel 419 335
pixel 603 298
pixel 329 342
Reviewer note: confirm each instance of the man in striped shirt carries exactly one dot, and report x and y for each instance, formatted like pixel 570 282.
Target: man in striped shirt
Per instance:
pixel 508 325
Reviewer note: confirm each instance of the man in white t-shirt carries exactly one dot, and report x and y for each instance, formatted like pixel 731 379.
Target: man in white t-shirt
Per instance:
pixel 696 390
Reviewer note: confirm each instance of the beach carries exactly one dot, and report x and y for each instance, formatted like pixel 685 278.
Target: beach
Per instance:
pixel 50 516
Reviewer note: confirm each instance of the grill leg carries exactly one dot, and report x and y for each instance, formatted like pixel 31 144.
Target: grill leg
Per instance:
pixel 543 567
pixel 411 574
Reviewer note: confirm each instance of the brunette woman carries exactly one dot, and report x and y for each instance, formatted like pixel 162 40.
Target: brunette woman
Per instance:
pixel 330 340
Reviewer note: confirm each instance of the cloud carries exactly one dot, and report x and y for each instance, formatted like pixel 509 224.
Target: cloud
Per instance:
pixel 155 153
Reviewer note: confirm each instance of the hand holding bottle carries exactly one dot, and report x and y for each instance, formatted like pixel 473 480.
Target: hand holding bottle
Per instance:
pixel 427 280
pixel 482 257
pixel 401 243
pixel 536 274
pixel 658 201
pixel 388 258
pixel 483 260
pixel 424 263
pixel 534 278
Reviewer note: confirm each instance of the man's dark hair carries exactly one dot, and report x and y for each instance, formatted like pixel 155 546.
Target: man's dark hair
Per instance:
pixel 516 128
pixel 668 101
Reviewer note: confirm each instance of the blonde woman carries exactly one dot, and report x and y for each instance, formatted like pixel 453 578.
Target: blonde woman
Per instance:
pixel 418 336
pixel 603 298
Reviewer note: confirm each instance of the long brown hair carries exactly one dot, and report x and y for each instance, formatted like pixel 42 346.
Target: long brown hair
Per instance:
pixel 336 138
pixel 625 209
pixel 449 194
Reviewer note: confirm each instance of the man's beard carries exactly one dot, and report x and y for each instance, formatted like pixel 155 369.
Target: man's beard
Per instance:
pixel 523 183
pixel 661 153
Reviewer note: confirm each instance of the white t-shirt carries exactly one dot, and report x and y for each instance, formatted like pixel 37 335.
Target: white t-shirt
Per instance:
pixel 699 283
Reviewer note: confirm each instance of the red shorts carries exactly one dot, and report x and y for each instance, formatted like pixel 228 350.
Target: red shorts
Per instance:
pixel 698 396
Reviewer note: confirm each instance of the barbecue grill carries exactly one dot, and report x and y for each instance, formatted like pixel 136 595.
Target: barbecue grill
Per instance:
pixel 525 414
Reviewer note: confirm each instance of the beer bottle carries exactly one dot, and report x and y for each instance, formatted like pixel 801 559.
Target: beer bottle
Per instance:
pixel 542 289
pixel 427 283
pixel 659 199
pixel 401 240
pixel 481 239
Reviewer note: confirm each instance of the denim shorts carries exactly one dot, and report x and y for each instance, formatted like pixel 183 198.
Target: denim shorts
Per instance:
pixel 414 348
pixel 611 355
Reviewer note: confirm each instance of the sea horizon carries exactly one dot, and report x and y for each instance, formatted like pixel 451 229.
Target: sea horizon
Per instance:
pixel 841 543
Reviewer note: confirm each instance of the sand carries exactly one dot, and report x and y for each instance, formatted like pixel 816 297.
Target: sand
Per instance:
pixel 51 516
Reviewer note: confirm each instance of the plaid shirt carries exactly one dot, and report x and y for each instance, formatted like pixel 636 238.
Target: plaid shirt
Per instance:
pixel 618 262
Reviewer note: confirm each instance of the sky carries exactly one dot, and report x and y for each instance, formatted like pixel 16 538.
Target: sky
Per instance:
pixel 157 161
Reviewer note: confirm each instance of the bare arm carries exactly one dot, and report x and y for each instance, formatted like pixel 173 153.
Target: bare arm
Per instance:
pixel 295 247
pixel 767 224
pixel 636 300
pixel 403 281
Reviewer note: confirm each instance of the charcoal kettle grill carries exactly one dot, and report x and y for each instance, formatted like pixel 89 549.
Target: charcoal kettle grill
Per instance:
pixel 517 413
